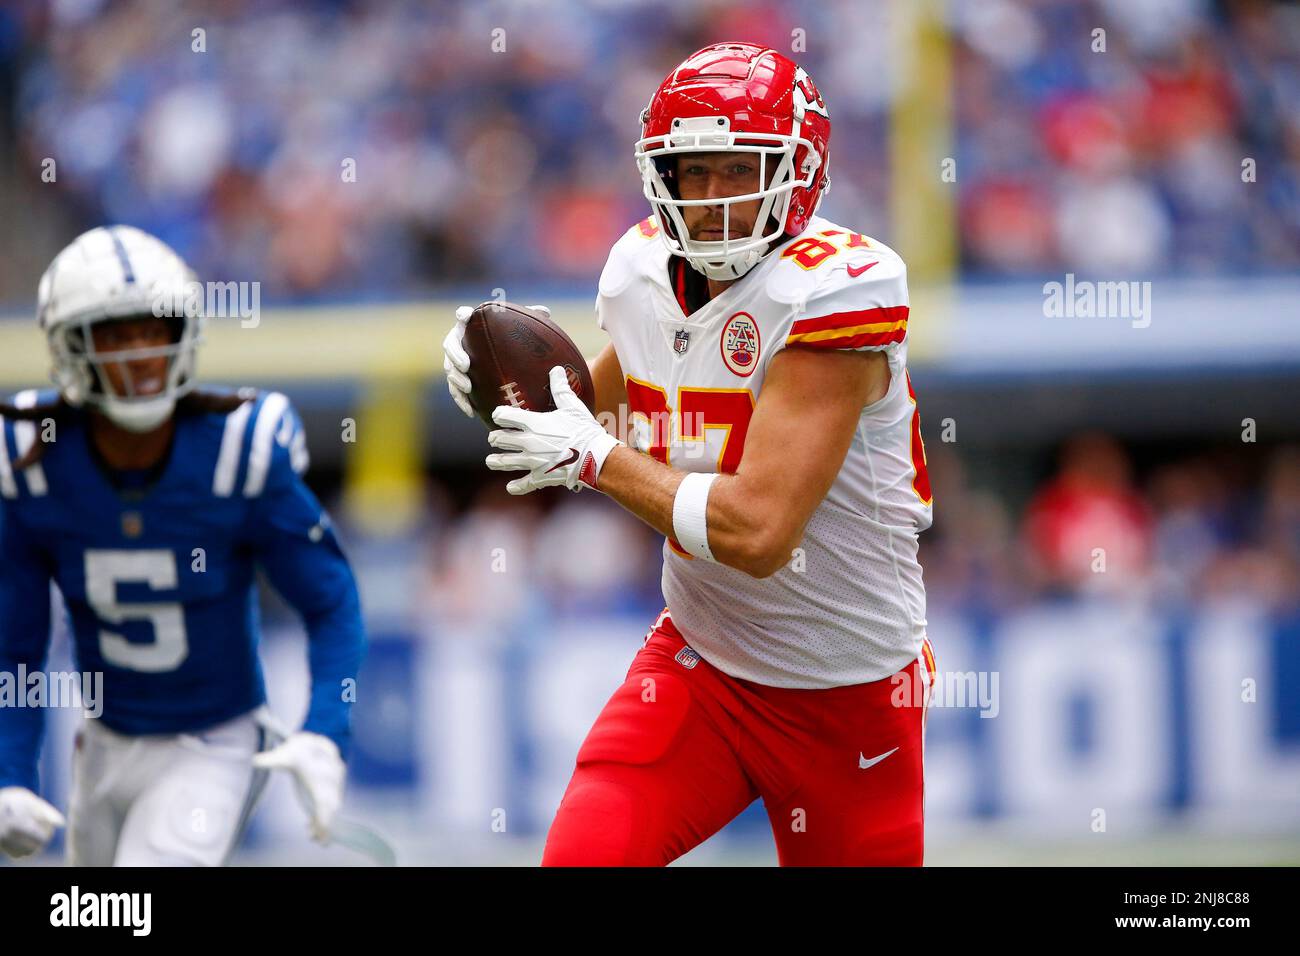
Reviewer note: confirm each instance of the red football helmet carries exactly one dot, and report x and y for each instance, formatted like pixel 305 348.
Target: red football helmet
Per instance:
pixel 737 97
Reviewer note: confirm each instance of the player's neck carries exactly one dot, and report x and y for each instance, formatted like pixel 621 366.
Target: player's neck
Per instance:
pixel 694 290
pixel 124 450
pixel 718 286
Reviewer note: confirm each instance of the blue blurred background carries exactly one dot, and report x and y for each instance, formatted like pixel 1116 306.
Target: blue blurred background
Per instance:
pixel 371 165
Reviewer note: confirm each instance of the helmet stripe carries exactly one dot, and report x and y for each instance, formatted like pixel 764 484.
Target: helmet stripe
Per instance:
pixel 127 273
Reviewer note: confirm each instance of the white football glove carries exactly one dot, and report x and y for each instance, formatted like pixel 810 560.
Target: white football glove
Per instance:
pixel 26 821
pixel 455 360
pixel 319 773
pixel 564 447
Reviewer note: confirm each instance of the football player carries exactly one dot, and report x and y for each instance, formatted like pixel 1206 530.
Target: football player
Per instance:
pixel 151 505
pixel 761 351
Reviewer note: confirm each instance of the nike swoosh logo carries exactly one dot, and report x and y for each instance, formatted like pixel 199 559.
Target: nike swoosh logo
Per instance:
pixel 854 273
pixel 573 456
pixel 864 763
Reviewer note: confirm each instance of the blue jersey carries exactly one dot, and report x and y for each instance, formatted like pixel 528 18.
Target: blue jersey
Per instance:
pixel 157 573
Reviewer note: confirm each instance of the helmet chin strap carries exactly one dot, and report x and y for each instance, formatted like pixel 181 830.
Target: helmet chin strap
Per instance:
pixel 138 414
pixel 138 417
pixel 730 270
pixel 734 268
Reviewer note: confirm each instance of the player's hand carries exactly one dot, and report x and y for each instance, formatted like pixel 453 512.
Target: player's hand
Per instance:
pixel 564 447
pixel 455 360
pixel 26 821
pixel 319 773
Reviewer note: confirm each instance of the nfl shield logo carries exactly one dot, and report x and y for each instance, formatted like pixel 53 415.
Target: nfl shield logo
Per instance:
pixel 687 657
pixel 132 525
pixel 680 341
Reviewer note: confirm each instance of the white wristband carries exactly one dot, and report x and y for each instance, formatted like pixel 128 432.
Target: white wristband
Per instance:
pixel 690 515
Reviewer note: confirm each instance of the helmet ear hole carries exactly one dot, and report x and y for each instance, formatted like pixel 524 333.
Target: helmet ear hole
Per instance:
pixel 76 341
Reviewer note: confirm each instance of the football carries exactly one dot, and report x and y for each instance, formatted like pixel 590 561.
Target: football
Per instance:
pixel 512 350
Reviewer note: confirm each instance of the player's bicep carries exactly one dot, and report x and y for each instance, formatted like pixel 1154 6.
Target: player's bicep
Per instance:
pixel 803 425
pixel 24 580
pixel 607 377
pixel 291 532
pixel 295 543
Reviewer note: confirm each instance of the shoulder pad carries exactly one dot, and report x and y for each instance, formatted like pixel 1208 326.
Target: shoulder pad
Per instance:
pixel 622 266
pixel 864 270
pixel 855 298
pixel 17 437
pixel 249 441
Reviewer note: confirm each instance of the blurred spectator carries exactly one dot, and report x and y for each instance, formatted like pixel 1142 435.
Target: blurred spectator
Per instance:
pixel 1088 529
pixel 480 164
pixel 1198 527
pixel 969 556
pixel 1134 153
pixel 1191 529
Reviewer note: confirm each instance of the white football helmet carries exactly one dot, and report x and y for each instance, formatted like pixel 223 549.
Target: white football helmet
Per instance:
pixel 119 272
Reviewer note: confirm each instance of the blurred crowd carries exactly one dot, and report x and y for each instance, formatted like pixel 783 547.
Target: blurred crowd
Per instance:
pixel 556 555
pixel 342 149
pixel 350 149
pixel 1216 524
pixel 1129 136
pixel 1192 528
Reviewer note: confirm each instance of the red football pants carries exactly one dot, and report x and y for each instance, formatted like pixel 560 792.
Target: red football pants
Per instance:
pixel 682 748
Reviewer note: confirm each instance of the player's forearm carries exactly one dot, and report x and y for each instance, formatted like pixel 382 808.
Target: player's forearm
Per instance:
pixel 20 752
pixel 743 534
pixel 317 581
pixel 642 485
pixel 335 648
pixel 21 729
pixel 24 647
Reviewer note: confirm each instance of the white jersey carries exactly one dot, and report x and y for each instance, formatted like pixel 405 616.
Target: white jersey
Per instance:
pixel 850 606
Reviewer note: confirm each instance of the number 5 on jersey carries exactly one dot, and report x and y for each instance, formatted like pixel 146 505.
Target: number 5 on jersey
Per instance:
pixel 105 569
